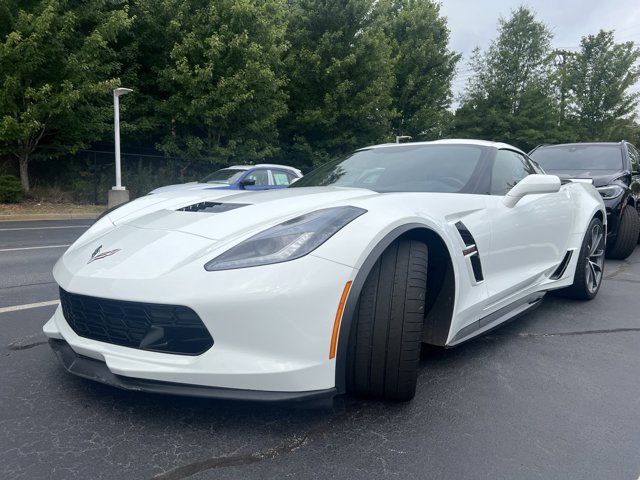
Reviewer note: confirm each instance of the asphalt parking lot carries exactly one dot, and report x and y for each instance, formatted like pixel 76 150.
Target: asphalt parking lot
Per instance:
pixel 553 395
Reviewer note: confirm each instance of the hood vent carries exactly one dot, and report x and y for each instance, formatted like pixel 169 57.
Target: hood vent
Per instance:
pixel 212 207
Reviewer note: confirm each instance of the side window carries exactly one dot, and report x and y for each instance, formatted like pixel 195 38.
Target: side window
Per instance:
pixel 634 155
pixel 508 169
pixel 260 176
pixel 280 178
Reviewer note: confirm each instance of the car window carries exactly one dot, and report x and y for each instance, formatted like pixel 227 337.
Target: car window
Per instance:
pixel 634 155
pixel 577 157
pixel 508 169
pixel 260 176
pixel 404 168
pixel 281 178
pixel 226 176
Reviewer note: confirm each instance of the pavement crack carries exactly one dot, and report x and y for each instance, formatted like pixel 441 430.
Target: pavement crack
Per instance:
pixel 581 332
pixel 234 460
pixel 613 279
pixel 26 346
pixel 237 459
pixel 620 269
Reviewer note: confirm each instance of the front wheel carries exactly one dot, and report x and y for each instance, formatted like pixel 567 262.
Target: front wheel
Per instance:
pixel 589 270
pixel 386 334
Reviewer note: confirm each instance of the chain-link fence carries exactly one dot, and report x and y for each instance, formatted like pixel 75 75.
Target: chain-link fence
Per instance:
pixel 86 176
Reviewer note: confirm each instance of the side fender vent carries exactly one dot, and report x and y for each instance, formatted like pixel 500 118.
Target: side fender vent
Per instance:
pixel 464 232
pixel 211 207
pixel 471 251
pixel 559 272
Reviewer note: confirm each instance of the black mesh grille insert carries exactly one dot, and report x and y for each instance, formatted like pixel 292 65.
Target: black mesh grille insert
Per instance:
pixel 147 326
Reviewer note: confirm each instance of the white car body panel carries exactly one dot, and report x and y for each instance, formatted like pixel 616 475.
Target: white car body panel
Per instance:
pixel 272 324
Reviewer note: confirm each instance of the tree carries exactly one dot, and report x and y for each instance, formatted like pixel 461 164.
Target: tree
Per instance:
pixel 340 80
pixel 423 66
pixel 509 97
pixel 224 79
pixel 601 74
pixel 57 66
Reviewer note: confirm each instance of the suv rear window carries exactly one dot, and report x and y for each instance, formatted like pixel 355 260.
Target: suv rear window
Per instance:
pixel 579 157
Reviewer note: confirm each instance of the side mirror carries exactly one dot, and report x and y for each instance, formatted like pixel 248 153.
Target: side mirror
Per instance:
pixel 247 182
pixel 531 185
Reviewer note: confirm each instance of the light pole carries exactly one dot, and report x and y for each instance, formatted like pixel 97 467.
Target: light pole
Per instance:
pixel 118 194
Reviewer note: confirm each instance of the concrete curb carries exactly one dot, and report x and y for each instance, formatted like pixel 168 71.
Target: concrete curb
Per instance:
pixel 48 216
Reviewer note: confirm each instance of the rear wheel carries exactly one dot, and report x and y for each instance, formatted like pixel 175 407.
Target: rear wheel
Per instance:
pixel 589 270
pixel 627 237
pixel 386 335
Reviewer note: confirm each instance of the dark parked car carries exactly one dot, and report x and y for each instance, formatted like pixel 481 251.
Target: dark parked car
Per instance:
pixel 611 167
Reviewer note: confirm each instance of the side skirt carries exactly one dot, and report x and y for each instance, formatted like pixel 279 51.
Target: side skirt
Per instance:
pixel 497 318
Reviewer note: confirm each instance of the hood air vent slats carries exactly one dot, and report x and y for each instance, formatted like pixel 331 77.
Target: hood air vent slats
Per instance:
pixel 212 207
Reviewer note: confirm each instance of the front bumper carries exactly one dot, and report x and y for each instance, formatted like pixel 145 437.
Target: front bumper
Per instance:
pixel 272 327
pixel 96 370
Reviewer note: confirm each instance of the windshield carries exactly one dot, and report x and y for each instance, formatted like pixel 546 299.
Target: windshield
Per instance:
pixel 579 157
pixel 420 168
pixel 226 175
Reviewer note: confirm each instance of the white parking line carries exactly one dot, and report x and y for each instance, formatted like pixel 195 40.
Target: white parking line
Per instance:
pixel 41 228
pixel 27 306
pixel 32 248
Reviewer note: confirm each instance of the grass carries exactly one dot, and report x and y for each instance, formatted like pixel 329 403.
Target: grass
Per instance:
pixel 34 207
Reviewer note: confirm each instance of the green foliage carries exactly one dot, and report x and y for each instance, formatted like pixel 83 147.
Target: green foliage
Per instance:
pixel 56 66
pixel 292 81
pixel 340 79
pixel 509 98
pixel 224 79
pixel 10 189
pixel 423 66
pixel 601 74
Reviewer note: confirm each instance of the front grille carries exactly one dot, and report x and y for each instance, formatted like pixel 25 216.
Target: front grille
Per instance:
pixel 147 326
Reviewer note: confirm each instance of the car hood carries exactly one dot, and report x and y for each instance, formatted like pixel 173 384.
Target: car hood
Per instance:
pixel 234 213
pixel 162 235
pixel 599 178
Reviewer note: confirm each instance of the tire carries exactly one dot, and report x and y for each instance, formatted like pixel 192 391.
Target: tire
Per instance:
pixel 582 288
pixel 628 233
pixel 386 334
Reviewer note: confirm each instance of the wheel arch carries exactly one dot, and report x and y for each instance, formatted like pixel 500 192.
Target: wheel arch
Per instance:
pixel 443 297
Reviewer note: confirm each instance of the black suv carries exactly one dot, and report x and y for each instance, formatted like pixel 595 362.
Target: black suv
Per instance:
pixel 611 167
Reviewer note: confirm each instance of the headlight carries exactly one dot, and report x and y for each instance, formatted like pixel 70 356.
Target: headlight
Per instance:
pixel 292 239
pixel 610 191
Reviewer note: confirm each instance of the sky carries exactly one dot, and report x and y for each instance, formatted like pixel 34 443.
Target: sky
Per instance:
pixel 473 23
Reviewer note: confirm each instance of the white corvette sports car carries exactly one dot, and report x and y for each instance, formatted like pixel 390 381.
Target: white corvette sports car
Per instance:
pixel 328 286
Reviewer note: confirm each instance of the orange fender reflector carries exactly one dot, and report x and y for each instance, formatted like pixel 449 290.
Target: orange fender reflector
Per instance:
pixel 336 323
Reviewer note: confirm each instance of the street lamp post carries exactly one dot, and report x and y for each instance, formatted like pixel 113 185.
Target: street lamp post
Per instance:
pixel 118 194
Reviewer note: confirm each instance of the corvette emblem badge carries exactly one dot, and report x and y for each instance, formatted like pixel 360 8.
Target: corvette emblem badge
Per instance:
pixel 97 255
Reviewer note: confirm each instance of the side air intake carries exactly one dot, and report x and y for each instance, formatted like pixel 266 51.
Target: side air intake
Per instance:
pixel 471 251
pixel 559 272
